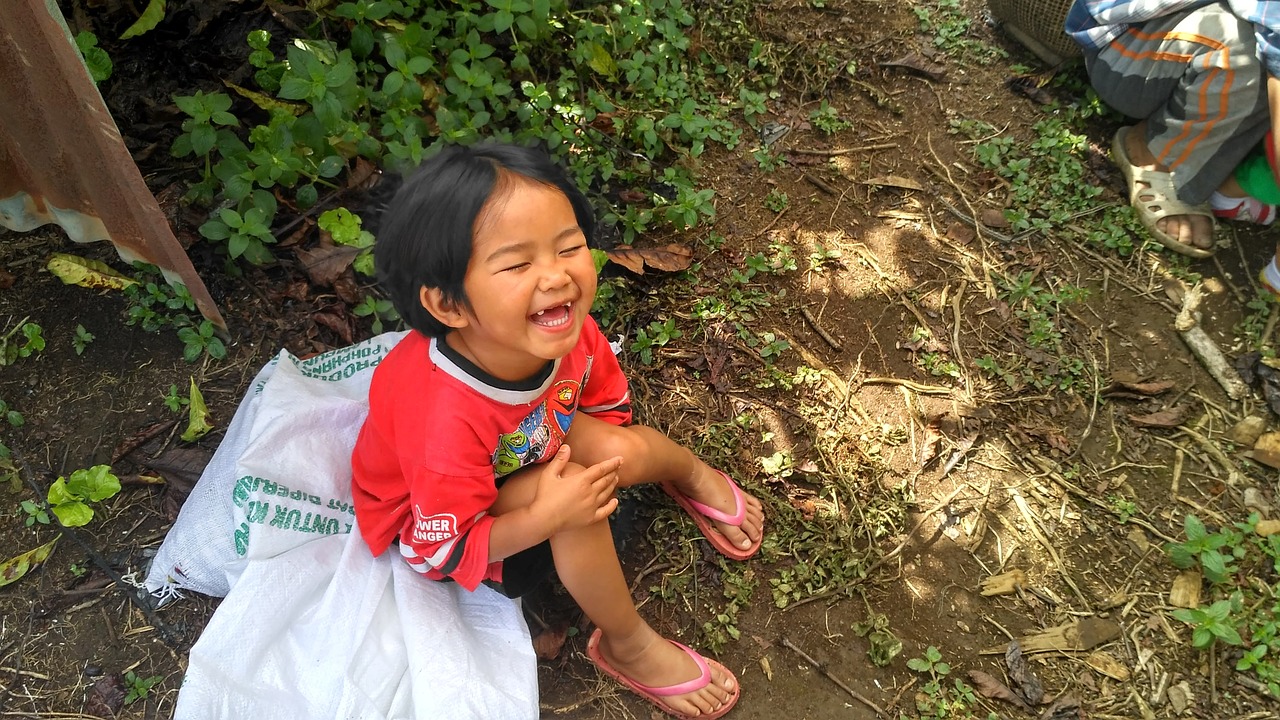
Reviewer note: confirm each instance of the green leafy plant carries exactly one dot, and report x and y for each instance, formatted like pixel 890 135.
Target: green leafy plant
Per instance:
pixel 69 498
pixel 344 227
pixel 776 200
pixel 378 309
pixel 1123 507
pixel 36 513
pixel 81 339
pixel 658 334
pixel 12 417
pixel 174 400
pixel 138 687
pixel 1211 624
pixel 200 340
pixel 96 60
pixel 826 119
pixel 14 348
pixel 1204 550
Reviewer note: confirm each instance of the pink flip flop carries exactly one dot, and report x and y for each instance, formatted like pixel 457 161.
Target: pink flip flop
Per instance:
pixel 700 514
pixel 656 694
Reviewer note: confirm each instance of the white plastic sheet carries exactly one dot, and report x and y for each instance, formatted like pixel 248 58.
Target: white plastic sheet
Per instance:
pixel 312 626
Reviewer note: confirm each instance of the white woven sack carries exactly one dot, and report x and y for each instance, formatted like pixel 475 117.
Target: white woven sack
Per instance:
pixel 284 463
pixel 312 625
pixel 327 631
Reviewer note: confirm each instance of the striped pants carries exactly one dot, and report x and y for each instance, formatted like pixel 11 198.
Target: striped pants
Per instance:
pixel 1196 78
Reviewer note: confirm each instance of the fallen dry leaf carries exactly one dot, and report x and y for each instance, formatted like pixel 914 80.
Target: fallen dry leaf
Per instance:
pixel 363 176
pixel 1027 684
pixel 13 569
pixel 548 643
pixel 339 323
pixel 988 686
pixel 632 197
pixel 326 263
pixel 1029 88
pixel 961 233
pixel 6 279
pixel 894 181
pixel 75 270
pixel 1167 418
pixel 918 64
pixel 1109 666
pixel 1064 708
pixel 106 698
pixel 668 258
pixel 994 218
pixel 1121 388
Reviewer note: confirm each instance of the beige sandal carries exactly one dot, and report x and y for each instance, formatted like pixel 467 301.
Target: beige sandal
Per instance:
pixel 1154 197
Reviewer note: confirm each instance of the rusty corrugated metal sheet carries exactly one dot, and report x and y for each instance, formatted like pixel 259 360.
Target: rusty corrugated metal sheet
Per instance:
pixel 62 159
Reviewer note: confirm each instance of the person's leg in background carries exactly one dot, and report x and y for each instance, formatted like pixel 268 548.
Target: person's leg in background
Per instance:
pixel 1196 83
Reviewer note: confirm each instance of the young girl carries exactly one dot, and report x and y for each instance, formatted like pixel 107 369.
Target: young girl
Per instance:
pixel 499 429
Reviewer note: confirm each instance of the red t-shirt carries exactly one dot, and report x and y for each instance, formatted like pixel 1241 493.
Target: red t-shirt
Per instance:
pixel 440 431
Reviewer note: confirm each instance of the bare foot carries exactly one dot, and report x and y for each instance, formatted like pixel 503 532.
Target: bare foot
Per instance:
pixel 1193 230
pixel 710 488
pixel 649 659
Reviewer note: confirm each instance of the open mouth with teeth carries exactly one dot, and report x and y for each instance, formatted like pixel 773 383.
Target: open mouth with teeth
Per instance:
pixel 553 317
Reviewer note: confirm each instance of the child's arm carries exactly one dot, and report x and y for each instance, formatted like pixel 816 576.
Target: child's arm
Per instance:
pixel 563 497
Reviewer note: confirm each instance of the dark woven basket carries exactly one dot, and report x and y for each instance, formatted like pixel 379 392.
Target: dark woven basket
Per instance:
pixel 1038 25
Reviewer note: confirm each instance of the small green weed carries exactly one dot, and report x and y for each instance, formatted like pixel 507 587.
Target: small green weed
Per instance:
pixel 1203 550
pixel 36 513
pixel 936 699
pixel 826 119
pixel 10 416
pixel 378 309
pixel 174 400
pixel 14 348
pixel 96 59
pixel 344 227
pixel 77 570
pixel 1244 611
pixel 776 200
pixel 138 687
pixel 69 498
pixel 1123 507
pixel 81 339
pixel 947 22
pixel 768 161
pixel 658 334
pixel 200 340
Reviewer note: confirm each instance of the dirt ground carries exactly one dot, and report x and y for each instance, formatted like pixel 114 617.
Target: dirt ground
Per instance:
pixel 994 479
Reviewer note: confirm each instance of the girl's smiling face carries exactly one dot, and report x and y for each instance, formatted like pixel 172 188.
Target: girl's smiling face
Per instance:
pixel 529 284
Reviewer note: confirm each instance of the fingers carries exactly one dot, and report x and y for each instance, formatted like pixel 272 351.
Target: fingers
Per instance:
pixel 559 460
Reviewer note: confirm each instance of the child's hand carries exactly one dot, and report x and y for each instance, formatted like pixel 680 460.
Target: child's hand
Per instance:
pixel 576 497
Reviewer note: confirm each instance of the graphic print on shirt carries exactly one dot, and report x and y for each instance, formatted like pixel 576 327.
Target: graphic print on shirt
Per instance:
pixel 540 433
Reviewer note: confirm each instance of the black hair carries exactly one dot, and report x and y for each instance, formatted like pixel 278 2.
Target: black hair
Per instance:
pixel 425 234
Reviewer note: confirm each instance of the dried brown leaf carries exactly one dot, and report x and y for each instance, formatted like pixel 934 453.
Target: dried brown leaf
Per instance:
pixel 632 197
pixel 961 233
pixel 549 642
pixel 918 64
pixel 6 279
pixel 994 218
pixel 326 263
pixel 1167 418
pixel 1064 708
pixel 1030 89
pixel 336 322
pixel 363 176
pixel 668 258
pixel 106 697
pixel 988 686
pixel 1028 685
pixel 894 181
pixel 1146 389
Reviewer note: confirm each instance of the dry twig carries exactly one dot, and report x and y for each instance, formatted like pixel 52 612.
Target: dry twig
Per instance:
pixel 823 669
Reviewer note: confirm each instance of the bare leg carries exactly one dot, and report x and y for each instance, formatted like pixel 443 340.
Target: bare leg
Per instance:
pixel 588 567
pixel 1194 230
pixel 649 456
